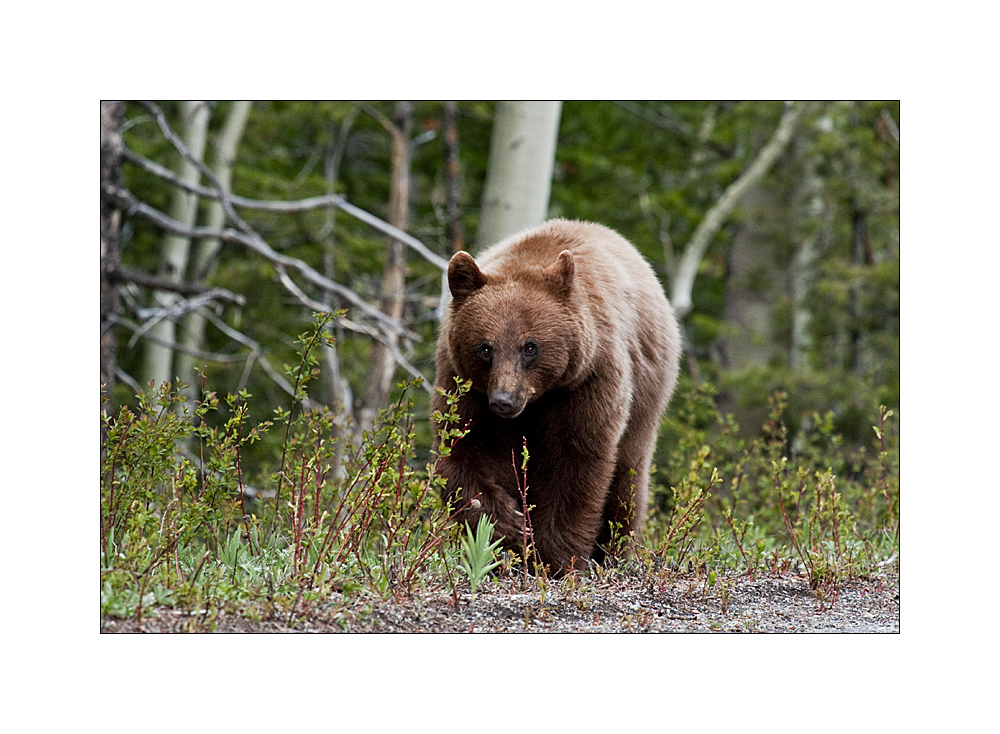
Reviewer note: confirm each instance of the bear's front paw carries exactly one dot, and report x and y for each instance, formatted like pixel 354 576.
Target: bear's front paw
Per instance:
pixel 507 519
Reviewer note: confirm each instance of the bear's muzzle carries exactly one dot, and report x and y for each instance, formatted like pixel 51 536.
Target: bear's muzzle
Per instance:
pixel 504 404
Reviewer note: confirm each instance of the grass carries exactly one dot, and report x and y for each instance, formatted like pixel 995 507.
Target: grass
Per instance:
pixel 183 525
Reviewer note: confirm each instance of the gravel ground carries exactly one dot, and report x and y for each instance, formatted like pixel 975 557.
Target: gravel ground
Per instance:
pixel 774 603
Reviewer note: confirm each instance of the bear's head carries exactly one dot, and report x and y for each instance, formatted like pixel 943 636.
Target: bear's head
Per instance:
pixel 514 336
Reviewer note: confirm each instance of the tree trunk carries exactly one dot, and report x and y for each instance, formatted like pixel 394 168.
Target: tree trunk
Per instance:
pixel 112 116
pixel 519 173
pixel 158 367
pixel 683 285
pixel 192 331
pixel 382 363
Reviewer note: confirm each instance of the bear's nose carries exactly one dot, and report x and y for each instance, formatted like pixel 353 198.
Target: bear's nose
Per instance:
pixel 502 403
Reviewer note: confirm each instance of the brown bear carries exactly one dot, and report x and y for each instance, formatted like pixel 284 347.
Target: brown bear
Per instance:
pixel 572 349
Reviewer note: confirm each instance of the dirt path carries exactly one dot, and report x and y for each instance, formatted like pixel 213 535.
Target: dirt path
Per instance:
pixel 766 604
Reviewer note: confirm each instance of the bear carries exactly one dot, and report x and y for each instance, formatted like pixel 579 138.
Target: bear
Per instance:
pixel 572 350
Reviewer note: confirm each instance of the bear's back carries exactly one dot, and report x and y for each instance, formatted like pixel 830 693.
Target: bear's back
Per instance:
pixel 616 283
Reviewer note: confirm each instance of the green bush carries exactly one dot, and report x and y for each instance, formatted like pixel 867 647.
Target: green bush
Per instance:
pixel 181 526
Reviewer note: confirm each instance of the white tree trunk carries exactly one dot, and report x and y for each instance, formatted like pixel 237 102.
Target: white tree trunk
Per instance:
pixel 519 173
pixel 158 365
pixel 683 285
pixel 192 332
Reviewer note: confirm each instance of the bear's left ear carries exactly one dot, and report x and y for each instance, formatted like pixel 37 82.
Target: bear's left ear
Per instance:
pixel 464 276
pixel 560 273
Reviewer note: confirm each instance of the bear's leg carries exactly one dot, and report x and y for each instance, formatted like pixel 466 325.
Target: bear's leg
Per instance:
pixel 571 469
pixel 628 493
pixel 479 482
pixel 567 501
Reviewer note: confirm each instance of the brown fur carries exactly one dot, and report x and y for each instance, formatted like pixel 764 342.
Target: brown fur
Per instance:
pixel 570 345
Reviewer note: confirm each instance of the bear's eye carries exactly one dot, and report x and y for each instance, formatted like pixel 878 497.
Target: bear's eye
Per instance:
pixel 529 353
pixel 485 352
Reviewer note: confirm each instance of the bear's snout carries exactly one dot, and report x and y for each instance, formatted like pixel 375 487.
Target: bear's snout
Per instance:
pixel 503 404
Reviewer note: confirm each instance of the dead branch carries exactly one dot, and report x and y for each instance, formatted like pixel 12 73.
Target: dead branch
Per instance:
pixel 291 207
pixel 131 205
pixel 122 274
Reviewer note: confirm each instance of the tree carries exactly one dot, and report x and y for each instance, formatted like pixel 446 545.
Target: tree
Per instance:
pixel 694 251
pixel 365 319
pixel 112 115
pixel 382 363
pixel 159 365
pixel 519 176
pixel 192 331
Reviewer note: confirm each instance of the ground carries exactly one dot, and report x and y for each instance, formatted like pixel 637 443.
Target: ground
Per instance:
pixel 683 603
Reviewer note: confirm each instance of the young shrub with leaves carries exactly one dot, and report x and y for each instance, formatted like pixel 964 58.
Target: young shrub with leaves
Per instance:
pixel 770 503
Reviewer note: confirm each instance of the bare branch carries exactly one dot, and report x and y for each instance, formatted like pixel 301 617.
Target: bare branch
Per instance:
pixel 361 328
pixel 128 379
pixel 128 275
pixel 131 205
pixel 384 121
pixel 177 308
pixel 290 207
pixel 249 238
pixel 258 355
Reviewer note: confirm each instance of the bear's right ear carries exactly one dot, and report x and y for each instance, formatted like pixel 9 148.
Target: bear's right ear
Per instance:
pixel 560 273
pixel 464 276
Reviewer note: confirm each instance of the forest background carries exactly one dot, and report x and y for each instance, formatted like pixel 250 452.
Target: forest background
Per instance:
pixel 785 270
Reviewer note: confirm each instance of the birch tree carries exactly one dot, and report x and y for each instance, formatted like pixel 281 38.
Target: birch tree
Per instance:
pixel 519 173
pixel 192 331
pixel 176 248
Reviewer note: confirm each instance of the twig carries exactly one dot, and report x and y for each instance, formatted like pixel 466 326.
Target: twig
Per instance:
pixel 151 316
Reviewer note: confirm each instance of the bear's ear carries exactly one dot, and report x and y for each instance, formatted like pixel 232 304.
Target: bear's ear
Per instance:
pixel 464 276
pixel 560 273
